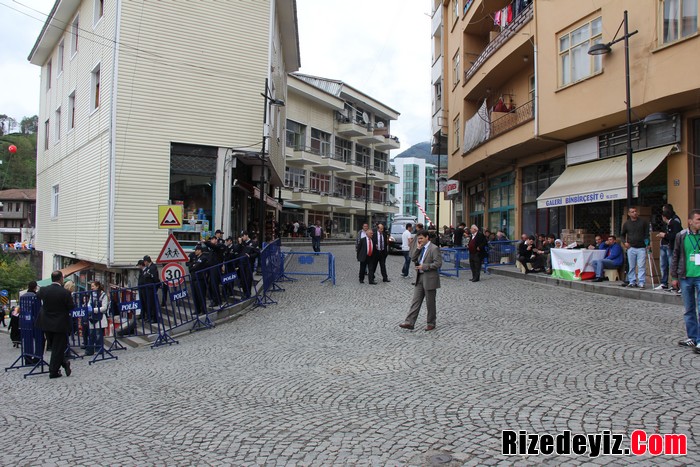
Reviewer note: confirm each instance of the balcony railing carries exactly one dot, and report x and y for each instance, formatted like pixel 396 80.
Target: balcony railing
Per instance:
pixel 508 32
pixel 510 120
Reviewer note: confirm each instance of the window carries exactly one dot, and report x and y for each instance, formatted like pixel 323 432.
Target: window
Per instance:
pixel 75 27
pixel 455 69
pixel 294 177
pixel 47 125
pixel 320 183
pixel 574 62
pixel 95 93
pixel 71 111
pixel 455 10
pixel 320 142
pixel 361 155
pixel 680 19
pixel 54 201
pixel 61 53
pixel 99 10
pixel 57 121
pixel 457 131
pixel 296 135
pixel 343 188
pixel 48 75
pixel 343 149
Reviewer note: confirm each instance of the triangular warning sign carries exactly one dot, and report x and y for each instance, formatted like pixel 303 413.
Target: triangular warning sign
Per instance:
pixel 172 252
pixel 170 220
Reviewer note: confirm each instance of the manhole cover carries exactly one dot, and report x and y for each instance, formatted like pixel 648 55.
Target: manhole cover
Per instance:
pixel 441 459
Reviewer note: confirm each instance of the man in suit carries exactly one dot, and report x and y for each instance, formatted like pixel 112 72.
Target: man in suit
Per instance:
pixel 477 245
pixel 428 261
pixel 55 321
pixel 367 256
pixel 381 239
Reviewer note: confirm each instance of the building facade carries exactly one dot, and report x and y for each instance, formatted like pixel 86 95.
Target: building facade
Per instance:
pixel 537 126
pixel 337 147
pixel 417 189
pixel 17 215
pixel 135 114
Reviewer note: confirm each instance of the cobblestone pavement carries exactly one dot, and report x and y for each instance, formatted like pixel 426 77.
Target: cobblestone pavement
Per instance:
pixel 326 377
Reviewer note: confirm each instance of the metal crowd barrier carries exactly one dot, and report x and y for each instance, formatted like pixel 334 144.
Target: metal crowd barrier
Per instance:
pixel 452 261
pixel 31 338
pixel 85 334
pixel 272 267
pixel 308 263
pixel 503 252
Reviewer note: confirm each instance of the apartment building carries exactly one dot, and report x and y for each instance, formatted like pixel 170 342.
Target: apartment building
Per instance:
pixel 337 154
pixel 537 126
pixel 17 215
pixel 136 112
pixel 418 188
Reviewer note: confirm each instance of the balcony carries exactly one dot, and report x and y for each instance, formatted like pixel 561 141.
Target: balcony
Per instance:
pixel 331 200
pixel 348 128
pixel 501 122
pixel 354 169
pixel 302 155
pixel 302 195
pixel 372 137
pixel 355 203
pixel 498 41
pixel 331 163
pixel 390 178
pixel 388 142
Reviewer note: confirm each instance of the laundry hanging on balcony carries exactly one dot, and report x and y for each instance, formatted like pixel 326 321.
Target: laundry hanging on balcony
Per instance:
pixel 477 129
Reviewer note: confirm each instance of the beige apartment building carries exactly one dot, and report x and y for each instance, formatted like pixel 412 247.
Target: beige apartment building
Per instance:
pixel 337 154
pixel 537 126
pixel 138 111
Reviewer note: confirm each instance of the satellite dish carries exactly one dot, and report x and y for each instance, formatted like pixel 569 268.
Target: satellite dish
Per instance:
pixel 380 124
pixel 365 117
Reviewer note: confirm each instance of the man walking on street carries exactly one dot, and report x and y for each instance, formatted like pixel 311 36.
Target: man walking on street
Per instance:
pixel 316 234
pixel 672 226
pixel 685 269
pixel 381 239
pixel 406 240
pixel 477 245
pixel 428 261
pixel 635 235
pixel 366 255
pixel 55 321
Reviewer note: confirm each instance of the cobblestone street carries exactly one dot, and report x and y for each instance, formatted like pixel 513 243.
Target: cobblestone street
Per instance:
pixel 326 377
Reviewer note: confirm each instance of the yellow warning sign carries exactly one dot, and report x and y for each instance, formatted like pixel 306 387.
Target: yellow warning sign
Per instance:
pixel 170 216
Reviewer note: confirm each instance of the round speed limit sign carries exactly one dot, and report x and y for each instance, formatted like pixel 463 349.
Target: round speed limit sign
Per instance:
pixel 173 274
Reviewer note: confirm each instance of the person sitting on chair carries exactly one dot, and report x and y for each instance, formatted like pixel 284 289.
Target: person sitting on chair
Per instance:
pixel 613 258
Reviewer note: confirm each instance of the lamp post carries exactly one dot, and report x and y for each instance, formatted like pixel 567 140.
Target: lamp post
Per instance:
pixel 437 181
pixel 603 49
pixel 263 153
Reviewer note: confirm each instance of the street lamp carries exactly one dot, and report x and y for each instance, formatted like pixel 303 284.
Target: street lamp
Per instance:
pixel 367 174
pixel 603 49
pixel 439 171
pixel 263 152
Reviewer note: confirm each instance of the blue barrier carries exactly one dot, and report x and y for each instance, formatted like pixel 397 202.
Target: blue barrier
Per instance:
pixel 90 333
pixel 140 313
pixel 307 263
pixel 31 338
pixel 502 253
pixel 272 266
pixel 452 261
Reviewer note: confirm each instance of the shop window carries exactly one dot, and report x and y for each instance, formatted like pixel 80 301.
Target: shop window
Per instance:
pixel 192 179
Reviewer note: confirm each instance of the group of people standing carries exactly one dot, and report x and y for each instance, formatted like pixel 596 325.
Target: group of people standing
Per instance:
pixel 372 248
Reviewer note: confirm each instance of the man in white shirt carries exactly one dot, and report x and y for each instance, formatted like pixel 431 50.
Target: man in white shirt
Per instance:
pixel 406 240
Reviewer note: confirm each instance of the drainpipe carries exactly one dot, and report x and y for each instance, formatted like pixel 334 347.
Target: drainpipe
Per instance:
pixel 113 139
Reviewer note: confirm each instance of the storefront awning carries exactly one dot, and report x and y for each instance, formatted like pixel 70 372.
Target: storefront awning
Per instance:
pixel 602 180
pixel 289 205
pixel 67 271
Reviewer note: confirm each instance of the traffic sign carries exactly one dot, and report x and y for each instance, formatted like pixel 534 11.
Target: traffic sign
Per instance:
pixel 173 274
pixel 170 216
pixel 3 293
pixel 172 252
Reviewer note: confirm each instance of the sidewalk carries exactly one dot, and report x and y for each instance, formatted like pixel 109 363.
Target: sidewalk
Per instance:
pixel 604 288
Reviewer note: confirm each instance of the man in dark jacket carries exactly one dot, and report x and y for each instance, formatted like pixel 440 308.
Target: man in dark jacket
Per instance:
pixel 477 246
pixel 673 226
pixel 148 280
pixel 197 264
pixel 55 321
pixel 381 240
pixel 366 255
pixel 685 271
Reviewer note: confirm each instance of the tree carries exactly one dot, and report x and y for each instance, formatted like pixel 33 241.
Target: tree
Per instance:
pixel 15 274
pixel 29 125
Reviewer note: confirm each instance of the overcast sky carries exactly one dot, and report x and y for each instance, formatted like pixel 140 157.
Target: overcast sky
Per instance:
pixel 380 47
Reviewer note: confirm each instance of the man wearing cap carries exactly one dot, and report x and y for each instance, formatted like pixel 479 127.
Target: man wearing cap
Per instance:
pixel 217 247
pixel 196 264
pixel 247 248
